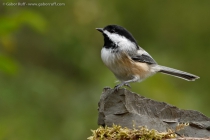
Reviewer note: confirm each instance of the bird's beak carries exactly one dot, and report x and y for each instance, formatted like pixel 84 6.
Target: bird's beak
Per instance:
pixel 100 29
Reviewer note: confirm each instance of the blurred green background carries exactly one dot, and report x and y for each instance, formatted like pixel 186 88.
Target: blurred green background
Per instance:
pixel 51 73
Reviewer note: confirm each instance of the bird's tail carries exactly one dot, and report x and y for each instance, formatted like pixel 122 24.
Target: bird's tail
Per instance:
pixel 178 73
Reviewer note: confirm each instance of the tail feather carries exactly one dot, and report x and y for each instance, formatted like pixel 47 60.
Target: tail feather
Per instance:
pixel 178 73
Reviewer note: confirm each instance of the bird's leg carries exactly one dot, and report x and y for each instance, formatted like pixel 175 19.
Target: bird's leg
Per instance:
pixel 126 83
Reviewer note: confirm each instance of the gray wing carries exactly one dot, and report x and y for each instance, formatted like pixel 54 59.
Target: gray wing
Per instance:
pixel 143 56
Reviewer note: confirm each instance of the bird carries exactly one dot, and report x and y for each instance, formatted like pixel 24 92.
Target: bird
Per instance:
pixel 128 61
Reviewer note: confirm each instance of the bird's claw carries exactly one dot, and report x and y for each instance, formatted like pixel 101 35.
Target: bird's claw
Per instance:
pixel 116 88
pixel 127 85
pixel 120 85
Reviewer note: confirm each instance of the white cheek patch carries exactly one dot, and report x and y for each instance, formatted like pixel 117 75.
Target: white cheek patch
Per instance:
pixel 121 41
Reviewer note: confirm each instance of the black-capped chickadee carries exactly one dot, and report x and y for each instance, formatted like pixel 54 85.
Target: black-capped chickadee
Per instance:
pixel 128 61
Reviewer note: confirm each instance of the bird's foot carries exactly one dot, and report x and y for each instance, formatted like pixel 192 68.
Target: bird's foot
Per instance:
pixel 117 87
pixel 128 85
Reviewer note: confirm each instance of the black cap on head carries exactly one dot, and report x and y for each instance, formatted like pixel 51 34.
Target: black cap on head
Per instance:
pixel 121 31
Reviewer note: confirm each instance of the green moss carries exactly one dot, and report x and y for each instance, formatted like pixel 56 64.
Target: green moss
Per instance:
pixel 117 132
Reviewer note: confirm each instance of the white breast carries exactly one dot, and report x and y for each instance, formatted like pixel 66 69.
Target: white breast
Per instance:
pixel 107 56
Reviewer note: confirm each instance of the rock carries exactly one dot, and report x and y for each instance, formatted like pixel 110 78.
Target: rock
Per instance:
pixel 127 109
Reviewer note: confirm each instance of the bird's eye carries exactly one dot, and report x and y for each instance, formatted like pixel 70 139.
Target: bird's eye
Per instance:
pixel 112 30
